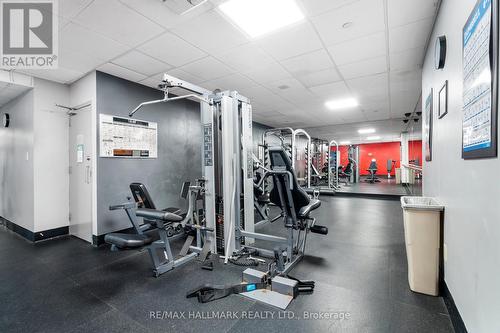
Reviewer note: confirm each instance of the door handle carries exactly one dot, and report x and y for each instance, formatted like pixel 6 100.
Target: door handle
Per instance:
pixel 87 174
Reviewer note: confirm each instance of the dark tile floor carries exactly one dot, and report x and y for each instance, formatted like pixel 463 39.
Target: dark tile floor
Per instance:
pixel 384 187
pixel 360 270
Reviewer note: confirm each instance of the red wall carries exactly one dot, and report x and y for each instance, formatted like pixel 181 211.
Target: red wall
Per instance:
pixel 415 151
pixel 381 152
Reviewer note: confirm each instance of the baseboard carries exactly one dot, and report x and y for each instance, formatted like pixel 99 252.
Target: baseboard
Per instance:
pixel 369 195
pixel 35 236
pixel 98 240
pixel 456 318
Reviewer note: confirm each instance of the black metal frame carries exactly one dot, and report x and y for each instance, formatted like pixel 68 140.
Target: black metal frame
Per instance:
pixel 491 151
pixel 443 90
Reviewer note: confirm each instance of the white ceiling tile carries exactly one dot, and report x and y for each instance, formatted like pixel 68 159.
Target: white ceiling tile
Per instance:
pixel 406 81
pixel 151 82
pixel 122 72
pixel 70 8
pixel 294 41
pixel 308 63
pixel 364 68
pixel 299 97
pixel 281 86
pixel 207 68
pixel 245 58
pixel 366 16
pixel 78 61
pixel 113 19
pixel 319 78
pixel 141 63
pixel 331 90
pixel 60 75
pixel 358 49
pixel 374 116
pixel 82 40
pixel 410 36
pixel 370 88
pixel 210 32
pixel 316 7
pixel 264 96
pixel 172 50
pixel 401 12
pixel 403 102
pixel 268 73
pixel 236 82
pixel 161 14
pixel 183 75
pixel 411 59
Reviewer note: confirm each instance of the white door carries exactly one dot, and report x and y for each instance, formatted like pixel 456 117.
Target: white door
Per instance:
pixel 80 177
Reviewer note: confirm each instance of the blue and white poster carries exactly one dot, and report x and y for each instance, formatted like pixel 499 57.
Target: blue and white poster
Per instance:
pixel 477 79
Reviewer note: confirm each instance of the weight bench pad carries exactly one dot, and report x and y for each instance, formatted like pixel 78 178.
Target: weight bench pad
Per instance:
pixel 306 210
pixel 128 241
pixel 154 214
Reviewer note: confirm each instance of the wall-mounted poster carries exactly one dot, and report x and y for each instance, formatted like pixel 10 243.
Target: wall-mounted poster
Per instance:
pixel 428 127
pixel 480 81
pixel 127 138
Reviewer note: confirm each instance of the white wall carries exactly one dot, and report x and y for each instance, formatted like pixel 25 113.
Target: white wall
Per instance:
pixel 81 92
pixel 51 155
pixel 468 189
pixel 16 162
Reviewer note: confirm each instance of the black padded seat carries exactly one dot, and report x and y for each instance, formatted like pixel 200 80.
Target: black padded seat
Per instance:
pixel 306 210
pixel 173 210
pixel 153 214
pixel 280 161
pixel 128 241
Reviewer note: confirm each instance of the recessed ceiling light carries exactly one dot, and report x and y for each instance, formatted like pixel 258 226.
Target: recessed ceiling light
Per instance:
pixel 342 104
pixel 345 143
pixel 347 25
pixel 366 131
pixel 372 138
pixel 259 17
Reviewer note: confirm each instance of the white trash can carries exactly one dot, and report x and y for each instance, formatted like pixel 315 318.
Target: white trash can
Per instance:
pixel 422 225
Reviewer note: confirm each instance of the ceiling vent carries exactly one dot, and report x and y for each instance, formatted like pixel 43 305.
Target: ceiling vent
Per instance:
pixel 182 7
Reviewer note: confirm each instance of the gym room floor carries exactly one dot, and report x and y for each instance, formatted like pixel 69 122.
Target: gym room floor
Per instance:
pixel 359 268
pixel 386 187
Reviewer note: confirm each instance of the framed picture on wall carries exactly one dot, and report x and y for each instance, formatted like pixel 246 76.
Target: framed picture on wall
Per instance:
pixel 480 81
pixel 427 123
pixel 443 100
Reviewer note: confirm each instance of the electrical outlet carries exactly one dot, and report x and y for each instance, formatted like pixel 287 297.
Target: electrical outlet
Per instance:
pixel 445 252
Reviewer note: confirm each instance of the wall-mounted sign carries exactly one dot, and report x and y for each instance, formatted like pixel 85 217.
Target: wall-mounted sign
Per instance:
pixel 126 137
pixel 480 81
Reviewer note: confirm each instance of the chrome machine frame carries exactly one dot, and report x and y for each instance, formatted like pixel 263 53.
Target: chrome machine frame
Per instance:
pixel 226 119
pixel 293 140
pixel 333 183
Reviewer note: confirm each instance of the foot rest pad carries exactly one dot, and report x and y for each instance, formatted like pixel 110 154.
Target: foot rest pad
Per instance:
pixel 127 241
pixel 319 229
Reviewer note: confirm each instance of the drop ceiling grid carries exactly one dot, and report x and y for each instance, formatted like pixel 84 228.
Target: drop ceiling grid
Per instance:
pixel 203 54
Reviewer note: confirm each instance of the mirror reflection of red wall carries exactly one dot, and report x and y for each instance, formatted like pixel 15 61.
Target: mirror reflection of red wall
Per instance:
pixel 381 152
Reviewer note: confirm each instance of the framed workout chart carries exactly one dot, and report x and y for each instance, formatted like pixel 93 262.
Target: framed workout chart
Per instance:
pixel 480 81
pixel 127 138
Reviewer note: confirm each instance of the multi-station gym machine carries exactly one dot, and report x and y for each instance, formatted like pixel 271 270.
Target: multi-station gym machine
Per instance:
pixel 224 223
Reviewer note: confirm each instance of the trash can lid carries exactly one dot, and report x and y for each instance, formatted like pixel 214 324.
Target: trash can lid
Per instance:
pixel 420 203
